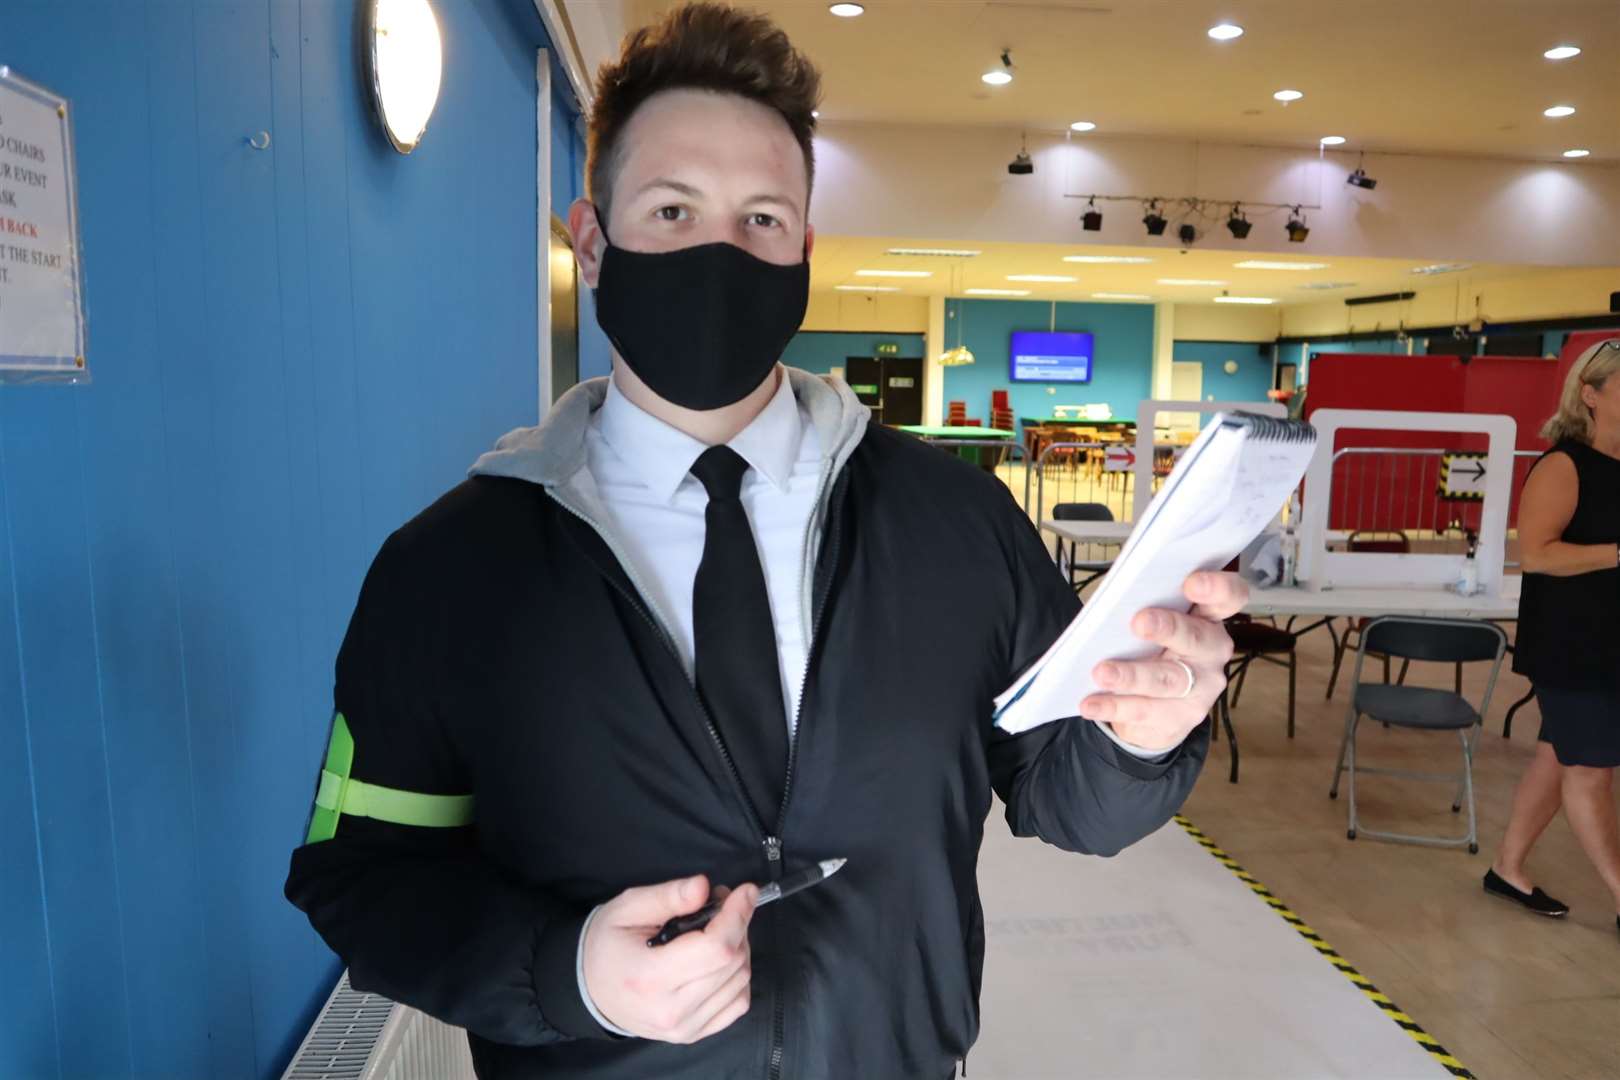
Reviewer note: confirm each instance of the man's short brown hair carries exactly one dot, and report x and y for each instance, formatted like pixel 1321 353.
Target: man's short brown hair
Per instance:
pixel 700 46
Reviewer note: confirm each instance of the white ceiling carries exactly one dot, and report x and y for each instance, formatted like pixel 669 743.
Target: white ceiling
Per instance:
pixel 837 260
pixel 1419 76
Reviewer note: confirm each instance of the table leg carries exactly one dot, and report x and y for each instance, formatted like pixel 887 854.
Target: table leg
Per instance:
pixel 1507 721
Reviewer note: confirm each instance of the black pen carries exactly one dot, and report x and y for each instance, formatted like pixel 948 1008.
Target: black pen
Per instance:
pixel 697 920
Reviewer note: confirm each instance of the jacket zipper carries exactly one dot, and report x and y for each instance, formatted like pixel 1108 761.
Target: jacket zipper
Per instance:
pixel 769 840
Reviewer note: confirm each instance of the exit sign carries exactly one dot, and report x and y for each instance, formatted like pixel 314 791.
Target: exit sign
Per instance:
pixel 888 348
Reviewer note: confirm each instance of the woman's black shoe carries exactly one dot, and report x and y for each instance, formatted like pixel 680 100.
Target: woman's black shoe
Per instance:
pixel 1536 900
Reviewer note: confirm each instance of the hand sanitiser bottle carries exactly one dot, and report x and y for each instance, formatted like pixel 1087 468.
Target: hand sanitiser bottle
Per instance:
pixel 1468 578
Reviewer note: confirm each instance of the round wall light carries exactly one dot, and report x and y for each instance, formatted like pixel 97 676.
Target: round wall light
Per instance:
pixel 405 63
pixel 1230 367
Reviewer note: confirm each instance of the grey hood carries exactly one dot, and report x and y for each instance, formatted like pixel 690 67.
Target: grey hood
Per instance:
pixel 551 453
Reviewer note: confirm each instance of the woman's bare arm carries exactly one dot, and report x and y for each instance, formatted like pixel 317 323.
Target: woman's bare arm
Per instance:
pixel 1545 510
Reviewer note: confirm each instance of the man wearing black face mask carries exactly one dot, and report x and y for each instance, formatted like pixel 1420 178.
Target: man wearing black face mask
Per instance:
pixel 692 629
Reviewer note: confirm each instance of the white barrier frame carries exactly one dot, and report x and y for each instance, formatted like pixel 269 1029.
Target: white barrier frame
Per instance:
pixel 1321 569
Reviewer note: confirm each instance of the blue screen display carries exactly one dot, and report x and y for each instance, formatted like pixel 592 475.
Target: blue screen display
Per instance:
pixel 1039 356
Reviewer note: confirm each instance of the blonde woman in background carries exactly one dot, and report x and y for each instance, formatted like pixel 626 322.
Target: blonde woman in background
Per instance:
pixel 1568 642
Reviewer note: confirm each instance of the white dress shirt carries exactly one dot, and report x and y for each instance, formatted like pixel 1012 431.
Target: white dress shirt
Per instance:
pixel 641 468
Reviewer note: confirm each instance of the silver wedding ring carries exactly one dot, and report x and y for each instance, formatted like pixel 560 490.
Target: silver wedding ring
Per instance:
pixel 1192 680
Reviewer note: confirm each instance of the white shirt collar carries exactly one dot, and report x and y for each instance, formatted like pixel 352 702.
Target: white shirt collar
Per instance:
pixel 662 456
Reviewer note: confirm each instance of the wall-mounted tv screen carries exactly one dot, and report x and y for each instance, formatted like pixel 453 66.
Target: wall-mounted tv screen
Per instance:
pixel 1043 356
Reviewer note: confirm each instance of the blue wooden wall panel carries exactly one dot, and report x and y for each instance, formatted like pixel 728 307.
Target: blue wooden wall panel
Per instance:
pixel 292 352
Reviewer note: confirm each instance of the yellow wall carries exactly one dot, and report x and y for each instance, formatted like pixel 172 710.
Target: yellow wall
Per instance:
pixel 867 312
pixel 1226 322
pixel 1547 294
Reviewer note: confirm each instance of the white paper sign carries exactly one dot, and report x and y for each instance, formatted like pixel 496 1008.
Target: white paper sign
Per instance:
pixel 41 299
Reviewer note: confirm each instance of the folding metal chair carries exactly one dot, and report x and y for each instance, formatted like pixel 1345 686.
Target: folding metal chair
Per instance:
pixel 1069 558
pixel 1446 641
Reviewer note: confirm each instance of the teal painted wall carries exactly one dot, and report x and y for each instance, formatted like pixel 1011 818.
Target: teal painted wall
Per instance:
pixel 1122 370
pixel 1252 378
pixel 820 351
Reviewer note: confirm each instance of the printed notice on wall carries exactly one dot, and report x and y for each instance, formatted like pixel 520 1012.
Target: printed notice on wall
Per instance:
pixel 41 297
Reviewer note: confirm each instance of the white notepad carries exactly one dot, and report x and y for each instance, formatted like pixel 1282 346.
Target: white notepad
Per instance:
pixel 1232 480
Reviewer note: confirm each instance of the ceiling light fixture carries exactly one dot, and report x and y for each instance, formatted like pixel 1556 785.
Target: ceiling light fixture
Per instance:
pixel 1562 52
pixel 847 11
pixel 1558 112
pixel 1154 220
pixel 949 253
pixel 1359 177
pixel 1333 140
pixel 1237 224
pixel 1118 260
pixel 1225 31
pixel 1272 264
pixel 1091 221
pixel 997 292
pixel 866 288
pixel 895 273
pixel 1188 281
pixel 1082 125
pixel 1576 153
pixel 1285 96
pixel 1054 279
pixel 1440 268
pixel 1328 285
pixel 1022 165
pixel 1244 300
pixel 1120 296
pixel 1297 229
pixel 1002 75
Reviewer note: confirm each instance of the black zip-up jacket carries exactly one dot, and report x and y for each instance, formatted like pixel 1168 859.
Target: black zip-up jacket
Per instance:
pixel 500 648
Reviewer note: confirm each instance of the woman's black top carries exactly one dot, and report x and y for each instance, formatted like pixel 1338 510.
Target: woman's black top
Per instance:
pixel 1569 627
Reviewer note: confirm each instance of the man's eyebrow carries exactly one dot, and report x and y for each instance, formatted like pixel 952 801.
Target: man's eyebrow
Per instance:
pixel 674 185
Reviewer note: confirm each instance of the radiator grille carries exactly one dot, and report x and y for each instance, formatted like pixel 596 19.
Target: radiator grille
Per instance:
pixel 363 1036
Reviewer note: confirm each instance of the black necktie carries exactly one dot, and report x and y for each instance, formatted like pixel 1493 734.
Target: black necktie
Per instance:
pixel 735 639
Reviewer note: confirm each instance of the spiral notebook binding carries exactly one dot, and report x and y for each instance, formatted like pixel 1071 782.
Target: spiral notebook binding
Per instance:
pixel 1272 428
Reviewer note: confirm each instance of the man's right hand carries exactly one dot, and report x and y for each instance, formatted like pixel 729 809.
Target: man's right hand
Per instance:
pixel 687 990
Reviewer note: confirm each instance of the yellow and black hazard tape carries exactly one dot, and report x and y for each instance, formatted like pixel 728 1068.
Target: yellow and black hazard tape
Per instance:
pixel 1389 1008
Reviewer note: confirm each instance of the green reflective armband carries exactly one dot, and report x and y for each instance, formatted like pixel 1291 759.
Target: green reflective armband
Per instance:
pixel 340 794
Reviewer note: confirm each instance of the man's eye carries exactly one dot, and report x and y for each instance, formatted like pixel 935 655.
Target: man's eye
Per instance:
pixel 764 221
pixel 670 213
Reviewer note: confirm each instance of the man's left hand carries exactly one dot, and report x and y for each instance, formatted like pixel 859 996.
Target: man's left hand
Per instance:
pixel 1144 705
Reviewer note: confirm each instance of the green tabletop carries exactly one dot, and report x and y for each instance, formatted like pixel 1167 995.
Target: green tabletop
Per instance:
pixel 1032 421
pixel 928 432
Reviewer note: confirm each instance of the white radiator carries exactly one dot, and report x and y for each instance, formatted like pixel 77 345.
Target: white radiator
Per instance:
pixel 360 1036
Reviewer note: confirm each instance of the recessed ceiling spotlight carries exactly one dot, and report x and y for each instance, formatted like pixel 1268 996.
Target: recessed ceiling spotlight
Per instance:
pixel 1576 153
pixel 949 253
pixel 1131 260
pixel 815 114
pixel 1002 75
pixel 1225 31
pixel 1052 279
pixel 1562 52
pixel 1244 300
pixel 1082 125
pixel 1333 140
pixel 866 288
pixel 895 273
pixel 1188 281
pixel 1285 96
pixel 1558 111
pixel 997 292
pixel 1272 264
pixel 1120 296
pixel 847 11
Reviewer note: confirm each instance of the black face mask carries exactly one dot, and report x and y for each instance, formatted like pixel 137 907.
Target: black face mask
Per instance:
pixel 702 326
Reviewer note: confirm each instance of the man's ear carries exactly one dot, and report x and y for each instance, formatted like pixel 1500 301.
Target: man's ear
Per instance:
pixel 590 242
pixel 809 240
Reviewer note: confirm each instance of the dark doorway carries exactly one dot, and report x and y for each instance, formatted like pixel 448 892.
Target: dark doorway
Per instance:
pixel 891 386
